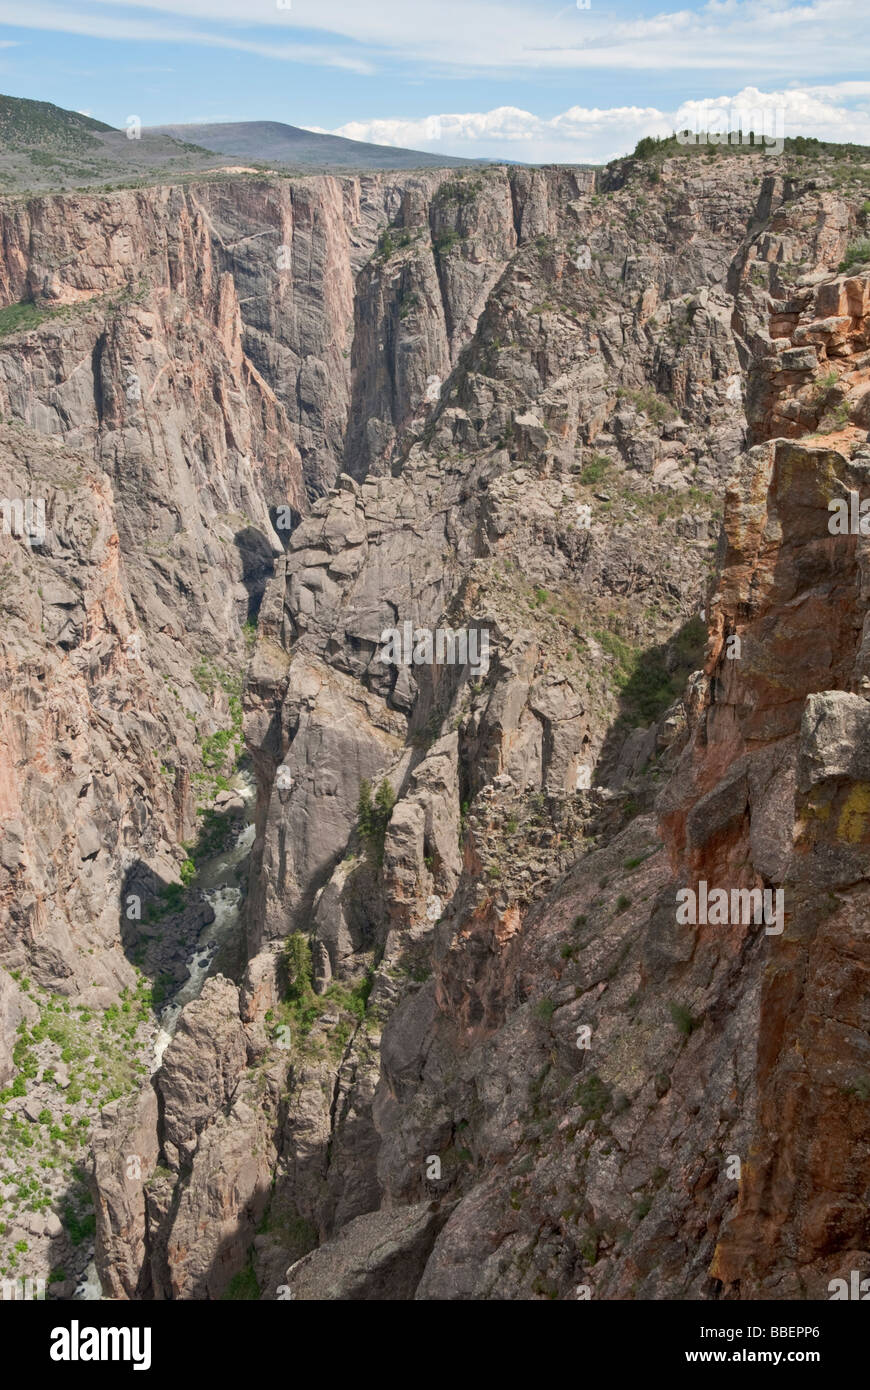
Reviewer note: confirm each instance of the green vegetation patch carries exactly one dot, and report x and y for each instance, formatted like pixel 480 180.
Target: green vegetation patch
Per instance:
pixel 25 122
pixel 459 191
pixel 649 681
pixel 243 1287
pixel 18 318
pixel 657 408
pixel 300 1006
pixel 856 254
pixel 373 816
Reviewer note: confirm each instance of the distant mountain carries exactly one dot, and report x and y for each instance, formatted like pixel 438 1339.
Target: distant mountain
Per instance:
pixel 274 142
pixel 29 123
pixel 45 147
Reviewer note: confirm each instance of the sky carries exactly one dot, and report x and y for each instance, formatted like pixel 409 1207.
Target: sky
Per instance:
pixel 531 80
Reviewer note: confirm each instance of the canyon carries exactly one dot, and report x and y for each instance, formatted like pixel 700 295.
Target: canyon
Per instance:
pixel 448 1037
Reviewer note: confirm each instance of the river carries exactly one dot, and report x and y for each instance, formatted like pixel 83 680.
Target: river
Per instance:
pixel 218 879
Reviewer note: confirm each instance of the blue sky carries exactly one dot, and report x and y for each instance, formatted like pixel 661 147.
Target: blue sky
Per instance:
pixel 524 79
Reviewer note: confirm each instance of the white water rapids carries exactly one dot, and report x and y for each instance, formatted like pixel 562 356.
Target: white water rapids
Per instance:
pixel 218 880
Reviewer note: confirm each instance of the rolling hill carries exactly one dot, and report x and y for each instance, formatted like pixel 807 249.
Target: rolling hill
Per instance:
pixel 275 142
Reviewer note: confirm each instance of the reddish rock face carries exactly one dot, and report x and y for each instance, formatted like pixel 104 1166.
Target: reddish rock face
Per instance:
pixel 773 789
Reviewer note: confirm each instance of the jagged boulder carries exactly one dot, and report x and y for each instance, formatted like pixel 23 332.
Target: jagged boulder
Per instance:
pixel 375 1257
pixel 201 1068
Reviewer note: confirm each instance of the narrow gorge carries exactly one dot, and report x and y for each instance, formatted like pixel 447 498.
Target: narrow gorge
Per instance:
pixel 328 978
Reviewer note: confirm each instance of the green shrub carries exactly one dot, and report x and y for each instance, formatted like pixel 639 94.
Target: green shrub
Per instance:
pixel 593 1095
pixel 683 1019
pixel 392 239
pixel 459 190
pixel 373 816
pixel 651 145
pixel 296 962
pixel 243 1287
pixel 445 242
pixel 160 990
pixel 78 1227
pixel 856 254
pixel 595 470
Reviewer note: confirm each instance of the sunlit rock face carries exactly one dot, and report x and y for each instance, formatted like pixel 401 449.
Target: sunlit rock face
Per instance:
pixel 487 517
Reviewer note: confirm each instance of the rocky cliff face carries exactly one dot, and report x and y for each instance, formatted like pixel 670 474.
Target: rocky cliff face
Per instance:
pixel 469 1049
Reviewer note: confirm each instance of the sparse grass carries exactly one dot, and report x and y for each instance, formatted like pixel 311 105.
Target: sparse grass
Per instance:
pixel 100 1052
pixel 822 386
pixel 221 754
pixel 657 408
pixel 298 1235
pixel 677 504
pixel 635 861
pixel 209 676
pixel 834 420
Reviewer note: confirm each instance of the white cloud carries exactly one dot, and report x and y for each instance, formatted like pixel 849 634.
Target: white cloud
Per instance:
pixel 136 29
pixel 583 134
pixel 785 38
pixel 816 111
pixel 575 136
